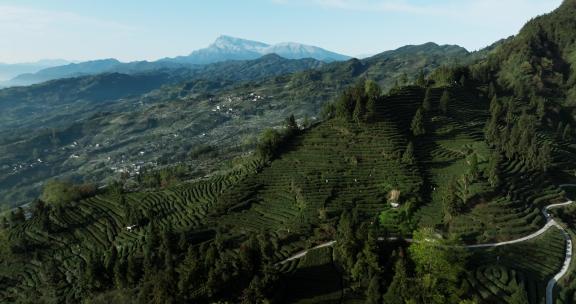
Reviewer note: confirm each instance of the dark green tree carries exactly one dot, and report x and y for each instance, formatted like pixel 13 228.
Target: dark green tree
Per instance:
pixel 346 249
pixel 111 259
pixel 373 294
pixel 421 79
pixel 17 216
pixel 463 80
pixel 291 125
pixel 450 200
pixel 496 108
pixel 445 101
pixel 57 192
pixel 120 280
pixel 359 110
pixel 253 294
pixel 492 132
pixel 473 169
pixel 404 79
pixel 93 273
pixel 417 125
pixel 494 169
pixel 427 103
pixel 541 108
pixel 269 143
pixel 398 292
pixel 408 156
pixel 545 157
pixel 510 114
pixel 567 133
pixel 492 90
pixel 373 93
pixel 345 105
pixel 132 271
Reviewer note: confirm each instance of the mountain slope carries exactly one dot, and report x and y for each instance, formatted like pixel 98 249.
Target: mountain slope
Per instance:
pixel 223 105
pixel 541 59
pixel 9 71
pixel 336 180
pixel 65 71
pixel 292 50
pixel 19 102
pixel 223 49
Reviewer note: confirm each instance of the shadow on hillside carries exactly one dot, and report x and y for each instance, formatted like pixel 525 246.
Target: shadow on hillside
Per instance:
pixel 322 282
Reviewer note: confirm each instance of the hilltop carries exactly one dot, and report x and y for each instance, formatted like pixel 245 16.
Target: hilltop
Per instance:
pixel 9 71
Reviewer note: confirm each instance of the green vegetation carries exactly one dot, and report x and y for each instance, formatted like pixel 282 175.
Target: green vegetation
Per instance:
pixel 98 128
pixel 60 193
pixel 392 183
pixel 507 274
pixel 295 192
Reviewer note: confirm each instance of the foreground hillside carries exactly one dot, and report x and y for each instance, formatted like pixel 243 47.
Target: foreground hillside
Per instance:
pixel 377 168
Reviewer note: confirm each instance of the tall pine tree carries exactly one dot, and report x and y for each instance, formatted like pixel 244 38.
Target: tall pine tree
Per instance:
pixel 444 101
pixel 417 125
pixel 427 103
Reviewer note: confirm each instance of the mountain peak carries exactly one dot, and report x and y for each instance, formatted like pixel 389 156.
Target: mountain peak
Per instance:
pixel 226 48
pixel 233 43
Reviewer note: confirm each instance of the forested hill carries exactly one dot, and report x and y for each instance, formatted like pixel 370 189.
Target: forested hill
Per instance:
pixel 541 59
pixel 538 67
pixel 435 189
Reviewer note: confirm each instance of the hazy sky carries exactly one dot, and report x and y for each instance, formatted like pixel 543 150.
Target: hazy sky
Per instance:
pixel 143 29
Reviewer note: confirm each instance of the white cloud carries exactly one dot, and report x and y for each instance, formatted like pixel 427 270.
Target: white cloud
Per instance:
pixel 26 30
pixel 473 24
pixel 366 5
pixel 460 9
pixel 23 18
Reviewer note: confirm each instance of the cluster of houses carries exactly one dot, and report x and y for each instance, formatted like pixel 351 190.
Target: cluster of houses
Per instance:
pixel 229 100
pixel 15 168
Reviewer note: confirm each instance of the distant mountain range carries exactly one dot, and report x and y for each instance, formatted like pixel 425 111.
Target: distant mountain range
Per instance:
pixel 11 70
pixel 230 48
pixel 225 48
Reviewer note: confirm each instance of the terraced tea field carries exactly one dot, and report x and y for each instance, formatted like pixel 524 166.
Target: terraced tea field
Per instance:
pixel 335 166
pixel 530 264
pixel 92 226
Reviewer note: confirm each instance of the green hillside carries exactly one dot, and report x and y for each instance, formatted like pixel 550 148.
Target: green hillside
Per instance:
pixel 361 162
pixel 87 129
pixel 431 183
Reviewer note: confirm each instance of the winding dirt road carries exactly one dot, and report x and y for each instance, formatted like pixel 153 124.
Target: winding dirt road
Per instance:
pixel 550 222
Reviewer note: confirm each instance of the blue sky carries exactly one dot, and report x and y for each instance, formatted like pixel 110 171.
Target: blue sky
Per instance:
pixel 142 29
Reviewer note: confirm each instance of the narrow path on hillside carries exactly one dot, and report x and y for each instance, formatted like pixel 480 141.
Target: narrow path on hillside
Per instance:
pixel 568 255
pixel 550 222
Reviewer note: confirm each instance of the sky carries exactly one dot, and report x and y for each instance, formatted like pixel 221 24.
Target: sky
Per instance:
pixel 147 30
